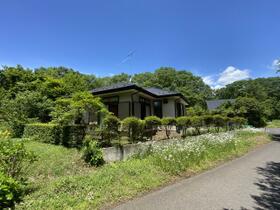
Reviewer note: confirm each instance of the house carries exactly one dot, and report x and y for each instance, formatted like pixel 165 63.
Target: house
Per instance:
pixel 214 104
pixel 128 99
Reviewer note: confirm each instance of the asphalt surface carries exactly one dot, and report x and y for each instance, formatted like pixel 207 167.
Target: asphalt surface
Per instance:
pixel 250 182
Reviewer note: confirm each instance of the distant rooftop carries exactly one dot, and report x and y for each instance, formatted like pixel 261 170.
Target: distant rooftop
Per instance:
pixel 156 92
pixel 214 104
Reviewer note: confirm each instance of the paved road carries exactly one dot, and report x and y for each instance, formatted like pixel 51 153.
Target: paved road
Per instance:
pixel 250 182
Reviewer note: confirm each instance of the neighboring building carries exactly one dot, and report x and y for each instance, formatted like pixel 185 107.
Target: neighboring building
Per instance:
pixel 214 104
pixel 128 99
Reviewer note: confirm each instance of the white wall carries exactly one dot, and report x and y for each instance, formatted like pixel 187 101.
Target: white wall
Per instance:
pixel 168 110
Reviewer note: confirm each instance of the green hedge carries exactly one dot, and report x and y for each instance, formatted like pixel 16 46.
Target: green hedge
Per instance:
pixel 69 136
pixel 47 133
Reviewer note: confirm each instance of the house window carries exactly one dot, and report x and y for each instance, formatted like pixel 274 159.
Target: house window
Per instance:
pixel 114 108
pixel 158 108
pixel 180 110
pixel 112 104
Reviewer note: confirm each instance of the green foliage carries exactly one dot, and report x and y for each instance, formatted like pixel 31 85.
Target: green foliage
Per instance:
pixel 120 181
pixel 14 158
pixel 197 123
pixel 184 123
pixel 192 87
pixel 266 91
pixel 208 120
pixel 151 125
pixel 11 191
pixel 92 153
pixel 42 132
pixel 219 121
pixel 274 124
pixel 53 162
pixel 66 135
pixel 196 111
pixel 250 109
pixel 134 128
pixel 71 110
pixel 110 128
pixel 168 123
pixel 24 108
pixel 199 151
pixel 239 121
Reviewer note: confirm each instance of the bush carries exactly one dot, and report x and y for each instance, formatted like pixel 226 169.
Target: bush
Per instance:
pixel 73 135
pixel 66 135
pixel 110 128
pixel 167 123
pixel 250 109
pixel 208 121
pixel 219 122
pixel 10 191
pixel 197 123
pixel 92 153
pixel 134 128
pixel 46 133
pixel 14 158
pixel 151 125
pixel 17 129
pixel 184 123
pixel 239 121
pixel 5 134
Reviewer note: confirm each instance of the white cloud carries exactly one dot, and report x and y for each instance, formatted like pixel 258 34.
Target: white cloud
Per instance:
pixel 275 64
pixel 209 80
pixel 232 74
pixel 229 75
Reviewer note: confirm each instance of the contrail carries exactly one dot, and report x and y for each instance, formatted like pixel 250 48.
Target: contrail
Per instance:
pixel 129 56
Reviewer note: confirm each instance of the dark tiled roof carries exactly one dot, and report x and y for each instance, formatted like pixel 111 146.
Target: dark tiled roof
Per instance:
pixel 161 92
pixel 156 92
pixel 113 87
pixel 214 104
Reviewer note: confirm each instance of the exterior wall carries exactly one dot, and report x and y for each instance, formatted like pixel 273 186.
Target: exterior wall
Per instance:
pixel 125 104
pixel 123 110
pixel 168 110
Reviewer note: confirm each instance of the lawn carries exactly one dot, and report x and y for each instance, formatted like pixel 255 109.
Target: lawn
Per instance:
pixel 60 180
pixel 273 124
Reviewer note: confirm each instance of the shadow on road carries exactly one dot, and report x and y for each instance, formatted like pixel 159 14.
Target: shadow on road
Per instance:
pixel 269 185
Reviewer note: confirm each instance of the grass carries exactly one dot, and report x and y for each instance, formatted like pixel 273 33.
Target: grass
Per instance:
pixel 274 124
pixel 54 161
pixel 63 182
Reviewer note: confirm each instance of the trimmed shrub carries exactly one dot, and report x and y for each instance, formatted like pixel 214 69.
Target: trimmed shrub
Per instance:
pixel 183 123
pixel 66 135
pixel 110 128
pixel 167 123
pixel 219 122
pixel 5 134
pixel 14 158
pixel 134 128
pixel 46 133
pixel 73 135
pixel 197 123
pixel 151 124
pixel 239 121
pixel 11 191
pixel 208 121
pixel 92 153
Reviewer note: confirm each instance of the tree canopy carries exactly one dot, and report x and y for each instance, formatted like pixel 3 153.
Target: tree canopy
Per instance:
pixel 192 87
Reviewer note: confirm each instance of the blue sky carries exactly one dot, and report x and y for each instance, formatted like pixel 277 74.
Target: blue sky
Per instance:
pixel 221 40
